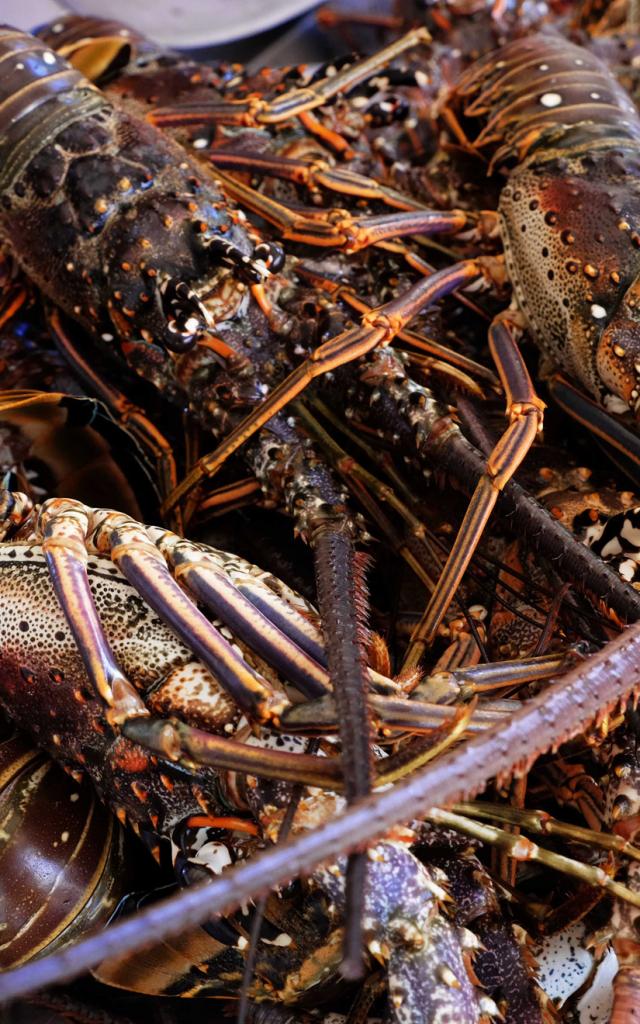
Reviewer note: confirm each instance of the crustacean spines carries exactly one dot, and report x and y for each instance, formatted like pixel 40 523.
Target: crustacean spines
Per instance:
pixel 379 327
pixel 141 789
pixel 384 395
pixel 336 562
pixel 562 710
pixel 404 929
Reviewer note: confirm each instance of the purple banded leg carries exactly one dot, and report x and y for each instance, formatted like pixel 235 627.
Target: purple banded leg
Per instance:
pixel 286 611
pixel 525 411
pixel 139 560
pixel 207 578
pixel 177 742
pixel 68 528
pixel 391 714
pixel 63 526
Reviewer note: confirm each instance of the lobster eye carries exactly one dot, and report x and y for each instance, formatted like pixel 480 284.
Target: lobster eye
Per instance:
pixel 184 315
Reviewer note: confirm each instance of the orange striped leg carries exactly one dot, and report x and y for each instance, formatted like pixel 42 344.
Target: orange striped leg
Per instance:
pixel 524 411
pixel 378 327
pixel 339 229
pixel 255 110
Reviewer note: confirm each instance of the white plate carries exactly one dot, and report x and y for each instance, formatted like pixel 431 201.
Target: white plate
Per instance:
pixel 196 22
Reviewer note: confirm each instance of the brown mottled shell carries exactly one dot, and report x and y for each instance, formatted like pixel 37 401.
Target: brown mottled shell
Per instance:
pixel 569 231
pixel 98 207
pixel 44 686
pixel 552 117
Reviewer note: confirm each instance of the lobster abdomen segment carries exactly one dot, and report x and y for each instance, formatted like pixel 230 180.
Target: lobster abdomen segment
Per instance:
pixel 543 95
pixel 552 118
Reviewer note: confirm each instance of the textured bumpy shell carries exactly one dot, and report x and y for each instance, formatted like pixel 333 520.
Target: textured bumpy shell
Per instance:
pixel 570 210
pixel 91 195
pixel 44 685
pixel 405 928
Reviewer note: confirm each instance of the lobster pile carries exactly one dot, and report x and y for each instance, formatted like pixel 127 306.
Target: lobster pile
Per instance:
pixel 283 315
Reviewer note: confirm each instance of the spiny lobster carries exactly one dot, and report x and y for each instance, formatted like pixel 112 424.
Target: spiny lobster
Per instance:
pixel 236 153
pixel 181 320
pixel 111 668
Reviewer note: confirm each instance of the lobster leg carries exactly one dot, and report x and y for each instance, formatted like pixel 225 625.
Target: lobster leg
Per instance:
pixel 177 742
pixel 63 526
pixel 596 420
pixel 524 410
pixel 378 327
pixel 314 175
pixel 70 531
pixel 144 566
pixel 296 102
pixel 410 418
pixel 129 415
pixel 412 339
pixel 561 711
pixel 339 229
